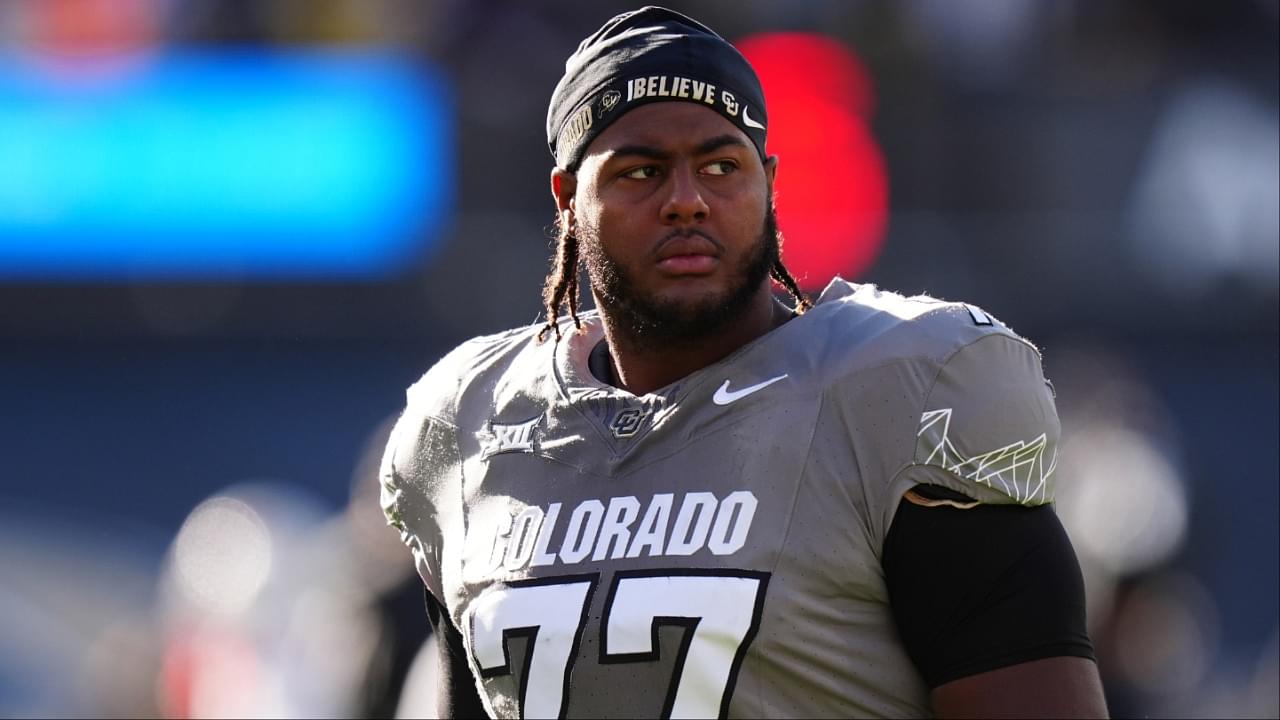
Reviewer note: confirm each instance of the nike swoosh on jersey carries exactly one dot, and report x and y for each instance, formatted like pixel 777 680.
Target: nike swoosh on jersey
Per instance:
pixel 746 119
pixel 724 395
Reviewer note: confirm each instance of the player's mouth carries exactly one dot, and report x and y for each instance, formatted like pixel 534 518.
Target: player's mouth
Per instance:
pixel 695 254
pixel 689 264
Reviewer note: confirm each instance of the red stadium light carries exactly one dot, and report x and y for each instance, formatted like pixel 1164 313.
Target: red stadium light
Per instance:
pixel 832 188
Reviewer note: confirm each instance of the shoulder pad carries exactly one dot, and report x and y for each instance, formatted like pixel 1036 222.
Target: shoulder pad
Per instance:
pixel 990 423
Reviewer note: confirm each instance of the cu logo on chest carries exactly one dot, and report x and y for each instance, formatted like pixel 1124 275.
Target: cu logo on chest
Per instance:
pixel 628 422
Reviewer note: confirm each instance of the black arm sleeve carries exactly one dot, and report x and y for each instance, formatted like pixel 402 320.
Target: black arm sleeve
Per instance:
pixel 982 588
pixel 457 695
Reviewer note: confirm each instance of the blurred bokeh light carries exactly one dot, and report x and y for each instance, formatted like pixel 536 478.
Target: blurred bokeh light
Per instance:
pixel 832 189
pixel 220 164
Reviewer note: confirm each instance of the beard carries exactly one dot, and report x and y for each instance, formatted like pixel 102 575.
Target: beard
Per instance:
pixel 650 322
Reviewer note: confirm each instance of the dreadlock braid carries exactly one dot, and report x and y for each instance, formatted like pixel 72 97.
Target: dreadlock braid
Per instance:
pixel 561 284
pixel 783 276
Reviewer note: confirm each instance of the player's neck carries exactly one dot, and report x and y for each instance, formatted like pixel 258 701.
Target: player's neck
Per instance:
pixel 640 368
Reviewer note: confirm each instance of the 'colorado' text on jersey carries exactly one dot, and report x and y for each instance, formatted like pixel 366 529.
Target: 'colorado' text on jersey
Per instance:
pixel 711 548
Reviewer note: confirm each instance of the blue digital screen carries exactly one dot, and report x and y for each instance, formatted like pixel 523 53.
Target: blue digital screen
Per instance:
pixel 248 164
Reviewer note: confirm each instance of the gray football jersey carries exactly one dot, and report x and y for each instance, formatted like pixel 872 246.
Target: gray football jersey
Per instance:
pixel 712 548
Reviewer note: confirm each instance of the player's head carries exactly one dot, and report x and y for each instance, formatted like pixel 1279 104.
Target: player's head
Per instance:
pixel 662 182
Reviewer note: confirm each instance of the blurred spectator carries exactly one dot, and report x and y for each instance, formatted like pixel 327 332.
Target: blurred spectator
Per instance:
pixel 273 609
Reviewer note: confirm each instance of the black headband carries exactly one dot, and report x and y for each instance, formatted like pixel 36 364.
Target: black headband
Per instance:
pixel 650 55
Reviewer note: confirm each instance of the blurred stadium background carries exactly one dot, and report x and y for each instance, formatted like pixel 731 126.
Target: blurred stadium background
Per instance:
pixel 232 233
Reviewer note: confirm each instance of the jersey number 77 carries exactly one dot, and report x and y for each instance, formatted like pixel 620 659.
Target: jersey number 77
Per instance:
pixel 720 611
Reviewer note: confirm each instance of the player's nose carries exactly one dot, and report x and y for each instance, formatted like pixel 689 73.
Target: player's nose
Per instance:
pixel 684 202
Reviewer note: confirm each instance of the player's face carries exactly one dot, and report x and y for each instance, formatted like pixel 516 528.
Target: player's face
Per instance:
pixel 672 209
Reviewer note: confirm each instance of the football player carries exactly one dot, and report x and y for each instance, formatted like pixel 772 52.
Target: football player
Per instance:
pixel 698 501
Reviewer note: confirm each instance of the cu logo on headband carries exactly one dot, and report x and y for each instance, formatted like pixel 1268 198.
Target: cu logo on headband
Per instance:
pixel 608 101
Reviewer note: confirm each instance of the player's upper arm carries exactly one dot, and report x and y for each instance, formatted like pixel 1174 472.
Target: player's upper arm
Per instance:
pixel 988 595
pixel 457 695
pixel 1056 687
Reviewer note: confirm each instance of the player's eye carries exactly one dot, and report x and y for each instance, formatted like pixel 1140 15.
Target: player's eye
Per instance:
pixel 641 173
pixel 720 167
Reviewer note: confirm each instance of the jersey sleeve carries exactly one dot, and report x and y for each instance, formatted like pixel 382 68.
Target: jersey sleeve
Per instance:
pixel 989 429
pixel 420 477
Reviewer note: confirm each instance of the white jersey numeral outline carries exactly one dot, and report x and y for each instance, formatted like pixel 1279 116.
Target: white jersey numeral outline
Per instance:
pixel 720 610
pixel 542 611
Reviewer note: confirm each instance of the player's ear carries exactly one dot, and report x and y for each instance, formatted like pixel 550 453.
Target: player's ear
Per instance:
pixel 771 171
pixel 563 186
